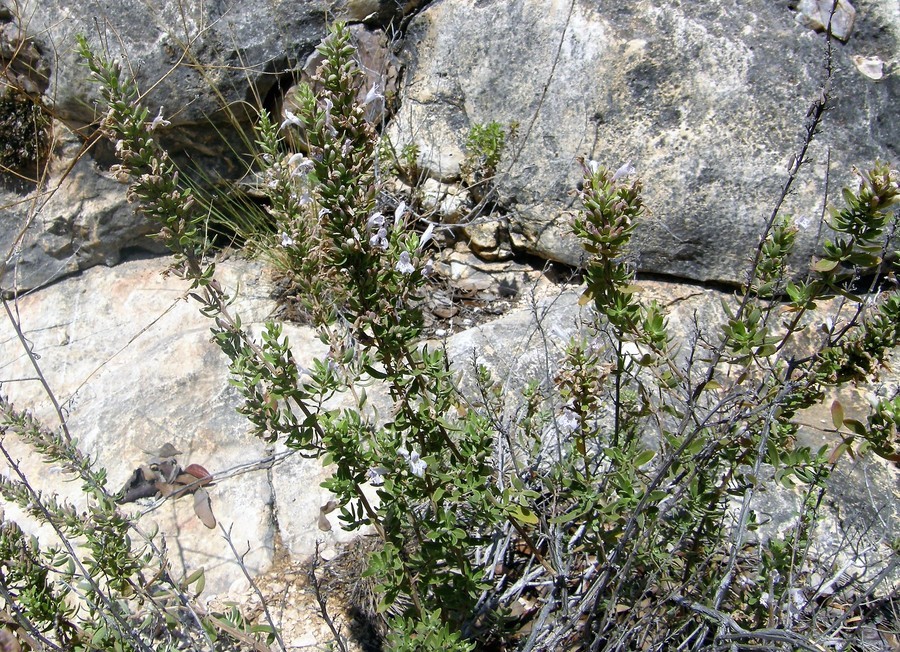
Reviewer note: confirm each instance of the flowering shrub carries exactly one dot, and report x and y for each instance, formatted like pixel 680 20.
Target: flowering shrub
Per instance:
pixel 635 532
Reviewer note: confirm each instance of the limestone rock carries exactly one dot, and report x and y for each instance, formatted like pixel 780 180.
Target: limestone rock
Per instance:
pixel 817 15
pixel 78 218
pixel 487 237
pixel 871 67
pixel 236 53
pixel 25 66
pixel 197 62
pixel 475 274
pixel 448 202
pixel 129 358
pixel 700 97
pixel 236 50
pixel 435 131
pixel 304 509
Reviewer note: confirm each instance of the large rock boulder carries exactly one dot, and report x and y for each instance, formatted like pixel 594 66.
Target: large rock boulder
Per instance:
pixel 709 103
pixel 129 358
pixel 78 218
pixel 708 100
pixel 193 59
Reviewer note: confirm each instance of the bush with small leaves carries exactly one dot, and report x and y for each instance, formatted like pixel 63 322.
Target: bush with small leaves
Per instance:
pixel 619 501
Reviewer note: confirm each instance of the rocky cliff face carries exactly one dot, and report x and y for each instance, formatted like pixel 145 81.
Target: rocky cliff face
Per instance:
pixel 202 67
pixel 707 101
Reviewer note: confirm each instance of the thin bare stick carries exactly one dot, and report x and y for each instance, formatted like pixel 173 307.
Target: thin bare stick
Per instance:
pixel 37 368
pixel 262 600
pixel 323 603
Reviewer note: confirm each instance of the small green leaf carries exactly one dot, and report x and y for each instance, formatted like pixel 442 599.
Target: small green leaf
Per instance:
pixel 825 265
pixel 856 427
pixel 375 373
pixel 838 452
pixel 767 350
pixel 643 458
pixel 197 575
pixel 523 515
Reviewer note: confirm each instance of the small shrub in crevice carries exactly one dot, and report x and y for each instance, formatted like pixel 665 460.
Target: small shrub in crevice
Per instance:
pixel 615 505
pixel 625 544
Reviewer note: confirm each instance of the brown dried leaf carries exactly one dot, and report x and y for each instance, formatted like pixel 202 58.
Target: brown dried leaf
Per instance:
pixel 203 508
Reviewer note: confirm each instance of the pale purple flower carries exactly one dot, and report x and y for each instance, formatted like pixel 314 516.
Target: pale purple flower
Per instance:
pixel 626 170
pixel 567 421
pixel 286 240
pixel 416 464
pixel 398 214
pixel 426 236
pixel 158 121
pixel 372 95
pixel 379 240
pixel 375 221
pixel 404 264
pixel 300 164
pixel 303 199
pixel 592 166
pixel 328 106
pixel 376 475
pixel 428 269
pixel 290 119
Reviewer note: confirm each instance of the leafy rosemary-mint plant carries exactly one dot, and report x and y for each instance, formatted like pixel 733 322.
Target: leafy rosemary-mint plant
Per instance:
pixel 626 510
pixel 362 265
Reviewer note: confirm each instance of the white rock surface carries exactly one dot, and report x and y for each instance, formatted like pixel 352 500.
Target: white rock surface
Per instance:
pixel 130 359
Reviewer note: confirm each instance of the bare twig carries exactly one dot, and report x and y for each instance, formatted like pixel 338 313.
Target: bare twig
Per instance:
pixel 32 358
pixel 239 558
pixel 323 602
pixel 110 611
pixel 739 633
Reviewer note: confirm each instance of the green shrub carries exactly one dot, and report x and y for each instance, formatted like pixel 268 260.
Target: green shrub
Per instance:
pixel 485 144
pixel 619 500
